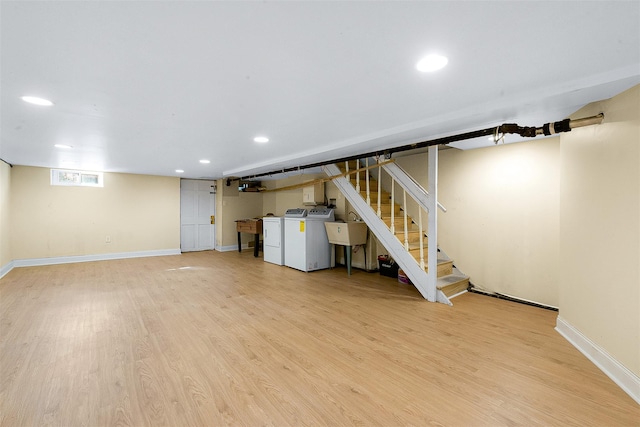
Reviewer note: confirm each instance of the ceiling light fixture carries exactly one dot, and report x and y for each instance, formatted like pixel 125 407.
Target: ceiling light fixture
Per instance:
pixel 37 101
pixel 205 161
pixel 179 171
pixel 431 63
pixel 63 146
pixel 261 139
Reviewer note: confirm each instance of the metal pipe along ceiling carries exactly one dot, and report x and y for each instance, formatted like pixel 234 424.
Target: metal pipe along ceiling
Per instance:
pixel 497 132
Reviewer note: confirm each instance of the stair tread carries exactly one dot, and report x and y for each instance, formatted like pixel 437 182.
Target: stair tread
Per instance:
pixel 441 256
pixel 450 279
pixel 453 284
pixel 441 260
pixel 415 247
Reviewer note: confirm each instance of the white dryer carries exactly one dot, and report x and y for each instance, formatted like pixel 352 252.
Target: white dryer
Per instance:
pixel 273 239
pixel 307 246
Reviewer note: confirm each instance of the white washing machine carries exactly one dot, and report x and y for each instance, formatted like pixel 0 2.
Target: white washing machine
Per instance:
pixel 306 245
pixel 291 220
pixel 273 239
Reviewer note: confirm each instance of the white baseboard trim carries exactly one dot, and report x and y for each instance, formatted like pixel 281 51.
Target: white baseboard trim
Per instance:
pixel 623 377
pixel 33 262
pixel 232 248
pixel 458 294
pixel 5 269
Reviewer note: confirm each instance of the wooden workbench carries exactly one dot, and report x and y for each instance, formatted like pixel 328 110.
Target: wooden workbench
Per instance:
pixel 252 226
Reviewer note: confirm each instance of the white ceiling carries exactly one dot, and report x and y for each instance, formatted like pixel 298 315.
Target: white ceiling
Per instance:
pixel 150 87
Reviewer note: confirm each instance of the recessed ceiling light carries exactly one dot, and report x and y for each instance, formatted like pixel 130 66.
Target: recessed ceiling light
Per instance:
pixel 62 146
pixel 37 101
pixel 179 171
pixel 432 63
pixel 205 161
pixel 261 139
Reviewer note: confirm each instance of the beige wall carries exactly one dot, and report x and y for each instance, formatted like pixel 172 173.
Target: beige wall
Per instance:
pixel 5 220
pixel 600 228
pixel 138 212
pixel 501 224
pixel 232 205
pixel 278 202
pixel 556 221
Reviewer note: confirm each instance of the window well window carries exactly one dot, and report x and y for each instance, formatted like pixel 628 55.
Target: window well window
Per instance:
pixel 76 178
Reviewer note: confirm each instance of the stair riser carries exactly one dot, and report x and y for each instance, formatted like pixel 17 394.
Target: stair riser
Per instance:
pixel 398 222
pixel 374 197
pixel 412 236
pixel 363 178
pixel 352 164
pixel 386 209
pixel 455 288
pixel 416 252
pixel 444 269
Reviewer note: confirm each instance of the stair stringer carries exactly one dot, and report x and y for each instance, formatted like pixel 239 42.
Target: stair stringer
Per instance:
pixel 404 259
pixel 419 194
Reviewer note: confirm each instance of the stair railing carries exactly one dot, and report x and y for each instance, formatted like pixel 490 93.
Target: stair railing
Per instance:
pixel 393 198
pixel 421 239
pixel 406 226
pixel 367 178
pixel 410 253
pixel 406 219
pixel 379 211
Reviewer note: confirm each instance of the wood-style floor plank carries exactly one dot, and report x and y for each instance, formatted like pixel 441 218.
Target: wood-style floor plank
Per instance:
pixel 215 339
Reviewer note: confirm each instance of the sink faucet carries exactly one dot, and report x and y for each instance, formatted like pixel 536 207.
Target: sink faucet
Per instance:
pixel 355 216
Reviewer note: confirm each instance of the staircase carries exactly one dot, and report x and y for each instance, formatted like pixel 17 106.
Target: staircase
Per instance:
pixel 386 218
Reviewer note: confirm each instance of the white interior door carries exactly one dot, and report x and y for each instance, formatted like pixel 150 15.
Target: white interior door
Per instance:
pixel 197 207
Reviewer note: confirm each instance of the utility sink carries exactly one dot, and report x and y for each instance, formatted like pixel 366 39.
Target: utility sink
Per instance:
pixel 350 233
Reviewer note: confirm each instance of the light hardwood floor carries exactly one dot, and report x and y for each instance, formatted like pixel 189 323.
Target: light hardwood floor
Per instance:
pixel 214 339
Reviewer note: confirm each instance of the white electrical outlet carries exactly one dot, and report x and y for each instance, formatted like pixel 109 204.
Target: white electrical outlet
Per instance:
pixel 108 239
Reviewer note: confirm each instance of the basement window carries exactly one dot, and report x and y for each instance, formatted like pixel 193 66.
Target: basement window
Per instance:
pixel 76 178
